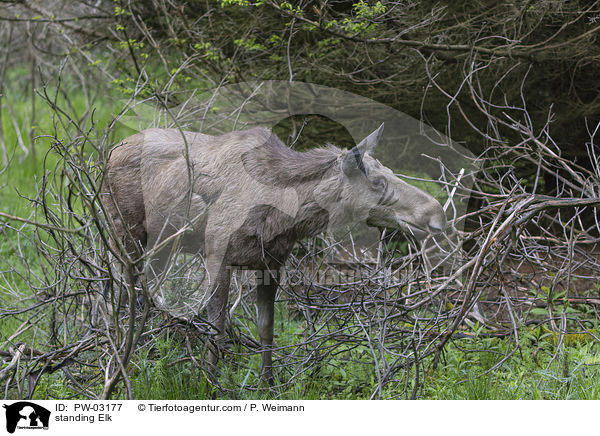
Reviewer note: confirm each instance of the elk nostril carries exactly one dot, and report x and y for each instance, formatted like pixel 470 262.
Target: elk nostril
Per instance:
pixel 437 224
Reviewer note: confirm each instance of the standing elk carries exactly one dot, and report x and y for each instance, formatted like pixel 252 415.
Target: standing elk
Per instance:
pixel 244 199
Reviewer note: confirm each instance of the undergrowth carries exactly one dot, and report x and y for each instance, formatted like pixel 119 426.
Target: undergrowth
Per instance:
pixel 470 368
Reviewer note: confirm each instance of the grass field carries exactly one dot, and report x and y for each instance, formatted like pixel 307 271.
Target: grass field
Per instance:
pixel 537 369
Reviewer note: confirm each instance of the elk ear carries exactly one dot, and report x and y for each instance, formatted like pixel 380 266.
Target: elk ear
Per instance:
pixel 353 161
pixel 367 145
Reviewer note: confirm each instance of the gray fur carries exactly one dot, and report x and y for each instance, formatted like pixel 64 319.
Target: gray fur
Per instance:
pixel 246 199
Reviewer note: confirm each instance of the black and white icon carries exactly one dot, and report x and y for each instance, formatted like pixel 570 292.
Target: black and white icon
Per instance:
pixel 26 415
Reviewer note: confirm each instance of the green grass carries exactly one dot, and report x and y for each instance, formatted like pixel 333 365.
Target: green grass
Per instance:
pixel 466 373
pixel 161 376
pixel 530 374
pixel 24 169
pixel 92 113
pixel 468 369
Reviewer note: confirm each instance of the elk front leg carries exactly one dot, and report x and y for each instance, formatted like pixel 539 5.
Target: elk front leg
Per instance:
pixel 216 311
pixel 265 301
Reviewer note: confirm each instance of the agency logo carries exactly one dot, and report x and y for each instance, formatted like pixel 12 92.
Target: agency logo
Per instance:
pixel 26 415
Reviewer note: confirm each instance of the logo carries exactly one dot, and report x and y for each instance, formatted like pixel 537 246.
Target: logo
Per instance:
pixel 26 415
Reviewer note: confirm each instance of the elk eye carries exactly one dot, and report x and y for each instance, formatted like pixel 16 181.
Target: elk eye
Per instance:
pixel 379 183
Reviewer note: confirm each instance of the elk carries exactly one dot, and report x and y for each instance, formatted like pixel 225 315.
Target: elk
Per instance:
pixel 244 199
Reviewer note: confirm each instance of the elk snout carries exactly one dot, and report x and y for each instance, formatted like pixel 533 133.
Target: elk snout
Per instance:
pixel 437 220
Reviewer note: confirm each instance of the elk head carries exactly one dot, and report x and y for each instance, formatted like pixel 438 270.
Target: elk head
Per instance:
pixel 372 192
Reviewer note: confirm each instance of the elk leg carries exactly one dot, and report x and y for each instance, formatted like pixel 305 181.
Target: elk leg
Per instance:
pixel 216 311
pixel 265 301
